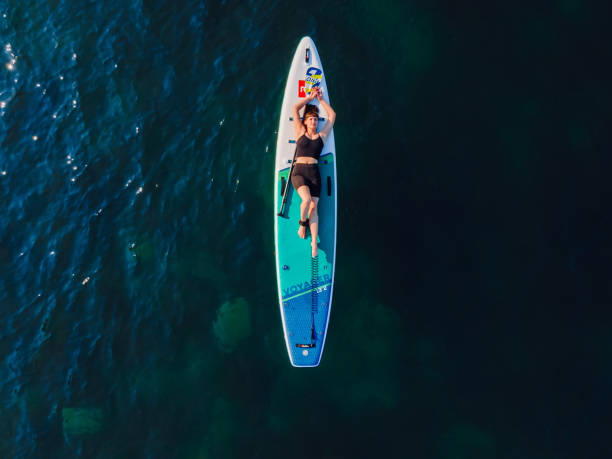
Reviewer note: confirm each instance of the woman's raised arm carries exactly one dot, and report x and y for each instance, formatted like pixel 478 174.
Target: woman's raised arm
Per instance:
pixel 331 117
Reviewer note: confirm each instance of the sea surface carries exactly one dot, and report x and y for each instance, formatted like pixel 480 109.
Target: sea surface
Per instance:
pixel 138 302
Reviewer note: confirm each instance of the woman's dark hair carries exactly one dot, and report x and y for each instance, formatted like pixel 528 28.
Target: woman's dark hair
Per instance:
pixel 312 110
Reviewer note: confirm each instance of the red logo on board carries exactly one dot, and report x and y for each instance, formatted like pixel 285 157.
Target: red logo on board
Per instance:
pixel 302 88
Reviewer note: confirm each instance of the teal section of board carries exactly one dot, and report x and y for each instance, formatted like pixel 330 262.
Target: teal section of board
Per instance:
pixel 306 283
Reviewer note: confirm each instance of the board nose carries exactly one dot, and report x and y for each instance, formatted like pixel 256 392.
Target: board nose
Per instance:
pixel 306 42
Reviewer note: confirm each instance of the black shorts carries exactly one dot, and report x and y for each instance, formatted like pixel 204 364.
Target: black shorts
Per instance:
pixel 309 175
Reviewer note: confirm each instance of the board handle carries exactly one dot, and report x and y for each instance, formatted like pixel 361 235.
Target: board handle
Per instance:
pixel 308 55
pixel 301 117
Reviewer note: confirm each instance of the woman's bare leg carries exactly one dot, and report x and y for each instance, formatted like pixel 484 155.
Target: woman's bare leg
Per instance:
pixel 304 193
pixel 314 225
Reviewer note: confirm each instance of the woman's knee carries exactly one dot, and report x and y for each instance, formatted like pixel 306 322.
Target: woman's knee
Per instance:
pixel 313 205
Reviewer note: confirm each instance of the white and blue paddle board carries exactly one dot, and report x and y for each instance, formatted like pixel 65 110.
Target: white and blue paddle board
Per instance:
pixel 305 284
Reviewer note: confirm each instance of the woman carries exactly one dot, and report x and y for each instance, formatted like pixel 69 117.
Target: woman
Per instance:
pixel 306 178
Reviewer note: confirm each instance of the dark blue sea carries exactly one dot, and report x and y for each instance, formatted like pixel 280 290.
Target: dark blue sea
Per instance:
pixel 138 301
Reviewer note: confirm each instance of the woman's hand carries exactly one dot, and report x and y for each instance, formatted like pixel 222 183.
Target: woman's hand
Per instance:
pixel 313 94
pixel 319 94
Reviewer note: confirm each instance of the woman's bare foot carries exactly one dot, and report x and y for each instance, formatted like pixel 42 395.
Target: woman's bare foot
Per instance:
pixel 302 229
pixel 315 249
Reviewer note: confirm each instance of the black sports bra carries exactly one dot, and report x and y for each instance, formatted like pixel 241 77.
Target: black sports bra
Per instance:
pixel 309 148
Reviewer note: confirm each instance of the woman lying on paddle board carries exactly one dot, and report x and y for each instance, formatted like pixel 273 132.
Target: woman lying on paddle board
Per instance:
pixel 306 178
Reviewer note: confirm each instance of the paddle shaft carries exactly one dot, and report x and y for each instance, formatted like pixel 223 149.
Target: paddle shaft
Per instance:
pixel 280 214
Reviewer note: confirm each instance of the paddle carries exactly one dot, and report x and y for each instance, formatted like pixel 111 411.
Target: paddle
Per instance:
pixel 280 214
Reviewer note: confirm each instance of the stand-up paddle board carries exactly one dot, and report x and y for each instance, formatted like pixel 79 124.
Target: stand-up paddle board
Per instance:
pixel 305 284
